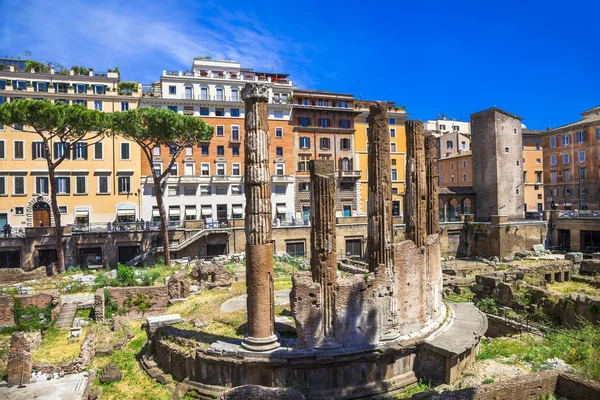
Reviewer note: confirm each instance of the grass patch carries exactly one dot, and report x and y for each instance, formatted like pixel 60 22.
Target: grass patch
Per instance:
pixel 569 287
pixel 418 387
pixel 135 383
pixel 56 346
pixel 84 313
pixel 579 348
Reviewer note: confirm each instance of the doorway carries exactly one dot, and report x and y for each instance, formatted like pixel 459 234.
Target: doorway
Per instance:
pixel 128 253
pixel 41 214
pixel 46 257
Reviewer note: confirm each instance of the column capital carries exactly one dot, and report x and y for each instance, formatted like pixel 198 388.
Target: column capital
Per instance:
pixel 255 90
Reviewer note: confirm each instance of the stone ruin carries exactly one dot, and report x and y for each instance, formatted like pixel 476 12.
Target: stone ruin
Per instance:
pixel 19 360
pixel 211 276
pixel 358 336
pixel 178 286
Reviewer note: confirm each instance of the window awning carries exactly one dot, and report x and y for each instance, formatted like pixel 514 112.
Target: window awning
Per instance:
pixel 126 212
pixel 82 213
pixel 174 211
pixel 190 211
pixel 238 209
pixel 281 209
pixel 206 210
pixel 155 213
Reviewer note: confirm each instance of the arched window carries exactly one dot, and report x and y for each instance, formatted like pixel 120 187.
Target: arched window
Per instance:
pixel 345 165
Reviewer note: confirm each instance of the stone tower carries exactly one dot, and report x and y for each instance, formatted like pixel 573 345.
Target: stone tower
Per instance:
pixel 497 146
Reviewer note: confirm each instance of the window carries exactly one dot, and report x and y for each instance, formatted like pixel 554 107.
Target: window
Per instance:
pixel 538 160
pixel 565 139
pixel 518 163
pixel 80 184
pixel 220 131
pixel 394 174
pixel 156 168
pixel 304 142
pixel 235 169
pixel 235 133
pixel 204 190
pixel 278 114
pixel 124 184
pixel 464 177
pixel 303 163
pixel 395 191
pixel 567 175
pixel 221 189
pixel 38 150
pixel 205 169
pixel 304 186
pixel 234 112
pixel 279 132
pixel 393 161
pixel 190 213
pixel 204 111
pixel 41 185
pixel 234 95
pixel 517 190
pixel 324 122
pixel 552 160
pixel 189 190
pixel 103 185
pixel 345 144
pixel 98 105
pixel 173 108
pixel 18 185
pixel 552 141
pixel 538 176
pixel 597 133
pixel 63 209
pixel 204 150
pixel 538 146
pixel 582 173
pixel 581 136
pixel 63 184
pixel 581 156
pixel 340 104
pixel 279 189
pixel 295 249
pixel 173 191
pixel 507 150
pixel 174 169
pixel 464 163
pixel 344 124
pixel 565 158
pixel 236 189
pixel 442 127
pixel 2 185
pixel 452 165
pixel 172 90
pixel 18 150
pixel 80 151
pixel 463 145
pixel 237 211
pixel 304 121
pixel 219 94
pixel 392 133
pixel 393 147
pixel 125 151
pixel 539 196
pixel 19 210
pixel 279 169
pixel 188 169
pixel 235 151
pixel 204 94
pixel 174 213
pixel 553 176
pixel 441 166
pixel 449 145
pixel 220 150
pixel 124 106
pixel 279 151
pixel 221 169
pixel 219 112
pixel 324 143
pixel 392 121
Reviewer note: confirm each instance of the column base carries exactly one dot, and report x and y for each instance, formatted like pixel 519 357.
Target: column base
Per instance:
pixel 261 344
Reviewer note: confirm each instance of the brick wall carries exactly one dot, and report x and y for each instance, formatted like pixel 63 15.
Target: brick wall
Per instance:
pixel 40 300
pixel 7 311
pixel 19 360
pixel 158 295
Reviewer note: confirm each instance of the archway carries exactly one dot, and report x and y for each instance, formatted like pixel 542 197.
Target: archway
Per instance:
pixel 31 221
pixel 466 206
pixel 41 214
pixel 452 210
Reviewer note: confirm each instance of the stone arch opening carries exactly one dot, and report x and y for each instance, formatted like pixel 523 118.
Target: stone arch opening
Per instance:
pixel 452 209
pixel 466 206
pixel 43 212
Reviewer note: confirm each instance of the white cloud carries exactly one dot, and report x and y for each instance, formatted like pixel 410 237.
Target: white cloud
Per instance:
pixel 109 33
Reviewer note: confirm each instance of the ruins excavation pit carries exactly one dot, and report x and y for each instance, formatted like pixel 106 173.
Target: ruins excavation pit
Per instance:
pixel 359 336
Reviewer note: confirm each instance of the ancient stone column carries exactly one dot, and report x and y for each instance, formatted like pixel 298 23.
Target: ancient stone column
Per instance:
pixel 19 360
pixel 323 260
pixel 379 206
pixel 433 217
pixel 415 200
pixel 259 245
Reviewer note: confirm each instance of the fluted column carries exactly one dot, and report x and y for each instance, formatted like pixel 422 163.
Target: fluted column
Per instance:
pixel 433 217
pixel 415 201
pixel 323 260
pixel 259 245
pixel 379 206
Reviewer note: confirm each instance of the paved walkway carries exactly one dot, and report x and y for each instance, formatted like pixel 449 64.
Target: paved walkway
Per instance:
pixel 83 298
pixel 239 303
pixel 66 316
pixel 70 387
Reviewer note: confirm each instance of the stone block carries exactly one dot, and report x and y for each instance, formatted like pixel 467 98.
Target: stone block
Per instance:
pixel 110 373
pixel 590 267
pixel 575 256
pixel 162 320
pixel 538 249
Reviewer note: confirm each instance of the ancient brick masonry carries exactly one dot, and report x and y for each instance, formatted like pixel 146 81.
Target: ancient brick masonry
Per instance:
pixel 259 244
pixel 433 220
pixel 415 204
pixel 19 360
pixel 179 286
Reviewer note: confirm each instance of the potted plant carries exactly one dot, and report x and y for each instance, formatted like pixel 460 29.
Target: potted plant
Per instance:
pixel 234 75
pixel 70 89
pixel 262 78
pixel 249 76
pixel 221 74
pixel 203 73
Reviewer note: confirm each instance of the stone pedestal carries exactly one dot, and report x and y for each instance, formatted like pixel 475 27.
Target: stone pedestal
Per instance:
pixel 259 244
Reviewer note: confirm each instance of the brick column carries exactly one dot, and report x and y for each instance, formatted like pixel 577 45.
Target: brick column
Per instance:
pixel 433 218
pixel 415 201
pixel 323 260
pixel 379 207
pixel 259 244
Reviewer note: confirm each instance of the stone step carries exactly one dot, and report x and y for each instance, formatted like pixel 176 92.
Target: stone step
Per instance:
pixel 66 316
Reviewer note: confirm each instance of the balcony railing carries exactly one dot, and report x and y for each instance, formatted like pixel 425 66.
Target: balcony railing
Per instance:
pixel 350 174
pixel 579 214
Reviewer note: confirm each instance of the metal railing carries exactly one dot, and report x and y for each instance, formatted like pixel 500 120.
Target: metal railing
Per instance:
pixel 14 232
pixel 579 214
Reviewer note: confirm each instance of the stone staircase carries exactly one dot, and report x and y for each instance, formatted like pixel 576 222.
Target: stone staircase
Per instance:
pixel 66 316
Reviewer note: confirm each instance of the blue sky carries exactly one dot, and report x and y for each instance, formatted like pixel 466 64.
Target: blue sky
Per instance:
pixel 536 59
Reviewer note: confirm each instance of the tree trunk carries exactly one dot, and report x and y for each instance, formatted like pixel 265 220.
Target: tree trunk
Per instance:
pixel 163 221
pixel 58 232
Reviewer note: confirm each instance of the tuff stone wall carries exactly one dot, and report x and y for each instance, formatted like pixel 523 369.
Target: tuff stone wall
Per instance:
pixel 158 295
pixel 76 365
pixel 179 286
pixel 19 360
pixel 210 276
pixel 18 275
pixel 40 300
pixel 7 316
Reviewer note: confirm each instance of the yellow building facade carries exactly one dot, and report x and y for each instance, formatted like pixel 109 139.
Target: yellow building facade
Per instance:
pixel 397 117
pixel 98 182
pixel 533 168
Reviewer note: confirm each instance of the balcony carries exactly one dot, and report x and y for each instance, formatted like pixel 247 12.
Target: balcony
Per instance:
pixel 349 174
pixel 226 179
pixel 282 179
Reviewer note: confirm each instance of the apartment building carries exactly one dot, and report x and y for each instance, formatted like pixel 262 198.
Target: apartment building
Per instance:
pixel 456 170
pixel 397 117
pixel 571 160
pixel 533 169
pixel 206 180
pixel 323 124
pixel 98 182
pixel 441 126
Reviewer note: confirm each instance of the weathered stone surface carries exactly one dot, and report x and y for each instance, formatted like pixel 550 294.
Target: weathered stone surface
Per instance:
pixel 99 305
pixel 17 275
pixel 590 267
pixel 110 373
pixel 259 246
pixel 178 286
pixel 162 320
pixel 575 256
pixel 210 276
pixel 415 203
pixel 19 360
pixel 253 392
pixel 431 164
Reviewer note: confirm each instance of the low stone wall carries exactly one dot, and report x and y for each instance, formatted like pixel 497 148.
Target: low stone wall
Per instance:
pixel 76 365
pixel 40 300
pixel 126 297
pixel 591 266
pixel 17 275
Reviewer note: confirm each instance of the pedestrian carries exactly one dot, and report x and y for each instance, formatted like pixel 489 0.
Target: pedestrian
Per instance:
pixel 5 229
pixel 9 230
pixel 41 224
